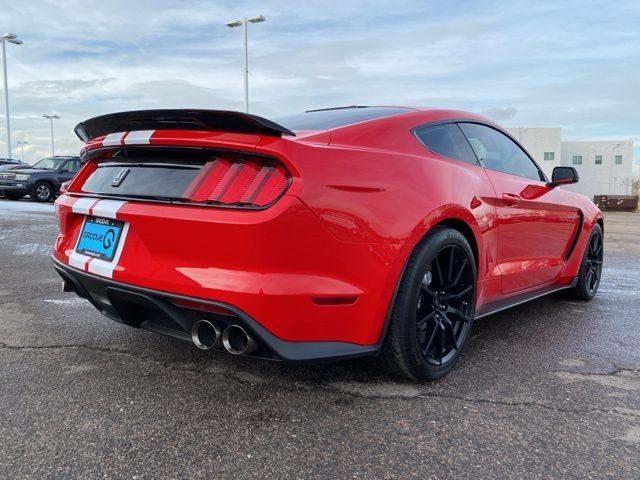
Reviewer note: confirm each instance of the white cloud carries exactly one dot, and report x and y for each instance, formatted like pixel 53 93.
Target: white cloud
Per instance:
pixel 544 63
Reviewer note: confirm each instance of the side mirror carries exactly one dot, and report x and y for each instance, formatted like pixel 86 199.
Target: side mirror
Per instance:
pixel 563 176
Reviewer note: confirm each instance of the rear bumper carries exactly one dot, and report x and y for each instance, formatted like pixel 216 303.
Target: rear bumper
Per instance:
pixel 157 311
pixel 279 266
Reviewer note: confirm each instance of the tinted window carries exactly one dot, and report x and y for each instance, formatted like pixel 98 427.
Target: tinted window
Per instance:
pixel 447 140
pixel 326 119
pixel 72 165
pixel 149 177
pixel 498 152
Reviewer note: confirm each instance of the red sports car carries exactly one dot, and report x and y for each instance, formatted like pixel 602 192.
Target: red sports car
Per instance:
pixel 332 234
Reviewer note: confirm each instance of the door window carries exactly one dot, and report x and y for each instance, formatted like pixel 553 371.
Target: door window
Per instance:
pixel 498 152
pixel 72 166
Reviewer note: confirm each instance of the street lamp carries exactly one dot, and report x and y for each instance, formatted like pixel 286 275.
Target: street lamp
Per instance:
pixel 22 143
pixel 11 38
pixel 51 117
pixel 243 23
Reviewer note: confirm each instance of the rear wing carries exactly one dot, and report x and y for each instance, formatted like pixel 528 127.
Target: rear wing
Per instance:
pixel 183 119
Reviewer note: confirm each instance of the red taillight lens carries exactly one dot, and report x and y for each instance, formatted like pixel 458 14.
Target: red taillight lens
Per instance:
pixel 238 182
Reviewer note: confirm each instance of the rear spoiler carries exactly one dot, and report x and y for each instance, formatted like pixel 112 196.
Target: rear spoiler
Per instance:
pixel 183 119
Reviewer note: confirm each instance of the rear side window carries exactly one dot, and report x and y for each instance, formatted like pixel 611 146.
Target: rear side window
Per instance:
pixel 498 152
pixel 447 140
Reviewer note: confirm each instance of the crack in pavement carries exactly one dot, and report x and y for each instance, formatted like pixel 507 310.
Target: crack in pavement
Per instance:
pixel 545 406
pixel 70 345
pixel 411 391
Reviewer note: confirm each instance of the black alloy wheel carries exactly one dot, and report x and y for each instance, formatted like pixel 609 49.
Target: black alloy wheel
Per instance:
pixel 434 307
pixel 594 262
pixel 443 310
pixel 591 267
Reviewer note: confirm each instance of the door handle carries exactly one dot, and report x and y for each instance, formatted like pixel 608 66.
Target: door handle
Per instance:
pixel 511 198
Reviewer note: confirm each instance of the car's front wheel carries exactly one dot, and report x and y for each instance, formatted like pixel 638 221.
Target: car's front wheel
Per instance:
pixel 590 268
pixel 42 192
pixel 434 307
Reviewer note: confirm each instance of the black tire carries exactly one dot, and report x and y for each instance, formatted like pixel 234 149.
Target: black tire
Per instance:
pixel 434 300
pixel 12 196
pixel 42 192
pixel 590 268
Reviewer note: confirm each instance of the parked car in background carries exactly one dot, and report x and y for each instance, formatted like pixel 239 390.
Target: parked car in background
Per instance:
pixel 41 181
pixel 4 166
pixel 9 164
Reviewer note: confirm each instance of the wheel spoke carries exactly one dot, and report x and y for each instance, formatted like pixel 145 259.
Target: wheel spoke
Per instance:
pixel 454 311
pixel 439 272
pixel 448 326
pixel 423 322
pixel 441 352
pixel 425 349
pixel 460 272
pixel 456 296
pixel 588 279
pixel 430 292
pixel 451 259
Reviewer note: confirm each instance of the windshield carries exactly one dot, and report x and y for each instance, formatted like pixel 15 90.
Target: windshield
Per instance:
pixel 48 163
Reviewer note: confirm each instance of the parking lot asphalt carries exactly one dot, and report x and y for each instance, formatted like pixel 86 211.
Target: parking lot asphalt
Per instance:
pixel 550 389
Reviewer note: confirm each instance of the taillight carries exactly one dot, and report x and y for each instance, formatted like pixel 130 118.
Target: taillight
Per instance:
pixel 240 182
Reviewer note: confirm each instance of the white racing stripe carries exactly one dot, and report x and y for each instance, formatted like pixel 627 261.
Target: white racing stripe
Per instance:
pixel 112 139
pixel 83 205
pixel 78 260
pixel 107 208
pixel 104 268
pixel 140 137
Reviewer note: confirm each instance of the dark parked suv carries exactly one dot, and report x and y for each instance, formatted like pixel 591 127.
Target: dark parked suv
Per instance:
pixel 42 181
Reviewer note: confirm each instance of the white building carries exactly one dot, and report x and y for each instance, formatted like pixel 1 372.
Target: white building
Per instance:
pixel 544 144
pixel 605 167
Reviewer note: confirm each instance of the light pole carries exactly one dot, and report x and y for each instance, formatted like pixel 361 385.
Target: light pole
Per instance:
pixel 51 117
pixel 11 38
pixel 243 23
pixel 22 143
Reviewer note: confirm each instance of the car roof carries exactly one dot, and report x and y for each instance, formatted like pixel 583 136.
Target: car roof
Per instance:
pixel 346 116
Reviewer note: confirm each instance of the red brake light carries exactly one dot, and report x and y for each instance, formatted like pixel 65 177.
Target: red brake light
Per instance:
pixel 238 182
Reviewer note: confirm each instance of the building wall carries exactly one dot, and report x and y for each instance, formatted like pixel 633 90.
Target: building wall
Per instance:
pixel 537 141
pixel 607 178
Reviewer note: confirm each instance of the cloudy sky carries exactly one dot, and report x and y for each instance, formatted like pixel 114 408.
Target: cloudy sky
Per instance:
pixel 573 64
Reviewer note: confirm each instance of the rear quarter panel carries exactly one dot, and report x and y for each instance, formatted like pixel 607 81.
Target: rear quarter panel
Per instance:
pixel 376 184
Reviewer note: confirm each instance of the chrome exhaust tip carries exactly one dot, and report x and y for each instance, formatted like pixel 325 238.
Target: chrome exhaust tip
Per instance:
pixel 237 341
pixel 205 335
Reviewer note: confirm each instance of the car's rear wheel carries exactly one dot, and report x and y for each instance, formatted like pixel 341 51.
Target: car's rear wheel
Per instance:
pixel 591 267
pixel 434 308
pixel 42 192
pixel 13 196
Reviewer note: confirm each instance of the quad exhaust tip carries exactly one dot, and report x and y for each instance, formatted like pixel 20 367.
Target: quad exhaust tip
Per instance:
pixel 237 341
pixel 206 335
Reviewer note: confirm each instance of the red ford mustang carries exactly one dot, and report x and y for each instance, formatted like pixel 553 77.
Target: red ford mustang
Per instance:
pixel 332 234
